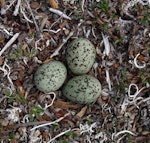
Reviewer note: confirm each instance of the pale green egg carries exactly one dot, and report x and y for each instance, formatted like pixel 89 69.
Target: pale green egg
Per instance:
pixel 80 56
pixel 50 76
pixel 82 89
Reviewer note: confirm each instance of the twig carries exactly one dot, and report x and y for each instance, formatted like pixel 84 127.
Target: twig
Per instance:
pixel 58 12
pixel 17 8
pixel 36 26
pixel 7 32
pixel 136 93
pixel 108 79
pixel 123 132
pixel 24 15
pixel 9 43
pixel 36 124
pixel 106 44
pixel 57 136
pixel 138 66
pixel 50 123
pixel 82 5
pixel 6 70
pixel 25 125
pixel 140 102
pixel 49 94
pixel 59 48
pixel 3 11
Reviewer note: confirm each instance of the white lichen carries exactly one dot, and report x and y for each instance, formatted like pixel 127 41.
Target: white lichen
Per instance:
pixel 13 114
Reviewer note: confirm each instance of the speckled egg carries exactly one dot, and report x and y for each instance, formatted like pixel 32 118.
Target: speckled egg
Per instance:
pixel 50 76
pixel 80 56
pixel 82 89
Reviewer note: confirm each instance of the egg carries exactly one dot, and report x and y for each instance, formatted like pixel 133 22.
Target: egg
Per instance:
pixel 82 89
pixel 80 56
pixel 50 76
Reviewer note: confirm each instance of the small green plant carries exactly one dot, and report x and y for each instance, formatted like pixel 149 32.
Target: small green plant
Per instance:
pixel 103 5
pixel 64 141
pixel 119 40
pixel 145 20
pixel 12 135
pixel 96 24
pixel 129 138
pixel 14 96
pixel 88 120
pixel 123 82
pixel 18 53
pixel 71 135
pixel 105 26
pixel 32 35
pixel 144 78
pixel 35 112
pixel 55 127
pixel 31 53
pixel 68 136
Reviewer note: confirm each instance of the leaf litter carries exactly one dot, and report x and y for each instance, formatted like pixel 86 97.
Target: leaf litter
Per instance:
pixel 35 32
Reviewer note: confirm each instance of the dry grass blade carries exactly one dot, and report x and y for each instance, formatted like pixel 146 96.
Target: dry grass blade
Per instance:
pixel 82 112
pixel 9 43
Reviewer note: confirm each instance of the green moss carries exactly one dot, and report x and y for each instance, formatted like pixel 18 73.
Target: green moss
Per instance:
pixel 103 5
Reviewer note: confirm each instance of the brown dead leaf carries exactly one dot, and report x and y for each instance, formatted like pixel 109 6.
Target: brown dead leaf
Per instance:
pixel 104 97
pixel 44 117
pixel 1 60
pixel 89 22
pixel 142 58
pixel 53 4
pixel 20 87
pixel 145 133
pixel 65 105
pixel 2 3
pixel 45 136
pixel 82 112
pixel 46 35
pixel 47 60
pixel 24 48
pixel 34 5
pixel 13 141
pixel 1 40
pixel 99 21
